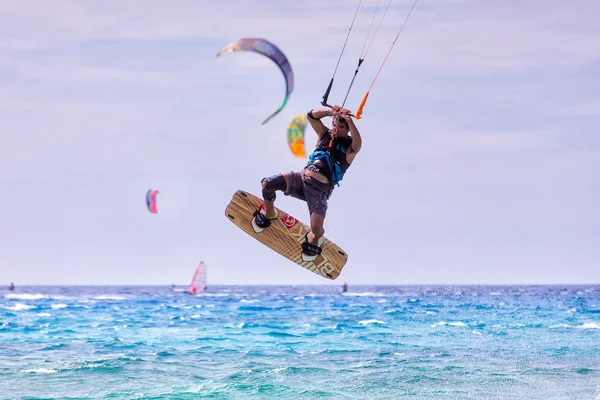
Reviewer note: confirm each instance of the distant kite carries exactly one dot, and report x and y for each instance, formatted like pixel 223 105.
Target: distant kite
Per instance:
pixel 151 200
pixel 295 134
pixel 268 49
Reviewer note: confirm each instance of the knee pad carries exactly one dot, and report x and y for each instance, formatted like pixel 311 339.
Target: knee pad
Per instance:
pixel 272 184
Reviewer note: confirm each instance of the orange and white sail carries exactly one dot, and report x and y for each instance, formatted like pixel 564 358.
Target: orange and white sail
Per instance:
pixel 199 282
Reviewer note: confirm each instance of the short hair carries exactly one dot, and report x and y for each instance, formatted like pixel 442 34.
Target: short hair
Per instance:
pixel 343 121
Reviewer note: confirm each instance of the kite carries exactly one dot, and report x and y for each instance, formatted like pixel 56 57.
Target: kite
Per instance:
pixel 268 49
pixel 295 134
pixel 151 200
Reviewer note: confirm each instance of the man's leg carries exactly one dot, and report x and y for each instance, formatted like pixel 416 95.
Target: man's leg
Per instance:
pixel 269 187
pixel 316 228
pixel 314 239
pixel 316 199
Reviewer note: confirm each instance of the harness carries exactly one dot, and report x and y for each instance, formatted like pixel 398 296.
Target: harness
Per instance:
pixel 337 174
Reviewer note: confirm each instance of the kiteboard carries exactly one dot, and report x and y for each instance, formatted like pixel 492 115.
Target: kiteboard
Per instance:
pixel 285 236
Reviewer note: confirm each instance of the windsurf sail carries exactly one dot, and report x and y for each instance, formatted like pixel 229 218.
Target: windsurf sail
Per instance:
pixel 199 282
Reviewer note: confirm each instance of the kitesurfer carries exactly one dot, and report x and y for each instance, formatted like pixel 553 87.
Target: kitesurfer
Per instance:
pixel 334 153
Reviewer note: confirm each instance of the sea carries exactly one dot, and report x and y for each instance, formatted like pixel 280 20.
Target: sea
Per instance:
pixel 300 342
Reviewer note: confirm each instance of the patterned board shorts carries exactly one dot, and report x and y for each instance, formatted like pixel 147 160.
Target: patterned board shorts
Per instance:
pixel 307 188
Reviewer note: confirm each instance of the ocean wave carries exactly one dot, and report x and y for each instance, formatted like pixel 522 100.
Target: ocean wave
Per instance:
pixel 444 323
pixel 40 371
pixel 19 307
pixel 371 322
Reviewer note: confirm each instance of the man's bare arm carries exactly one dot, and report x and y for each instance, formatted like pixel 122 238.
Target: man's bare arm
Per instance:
pixel 314 117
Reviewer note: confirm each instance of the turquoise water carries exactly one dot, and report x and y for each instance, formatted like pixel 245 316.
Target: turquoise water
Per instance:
pixel 276 342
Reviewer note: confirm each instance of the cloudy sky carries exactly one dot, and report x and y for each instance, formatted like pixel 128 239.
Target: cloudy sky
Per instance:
pixel 481 139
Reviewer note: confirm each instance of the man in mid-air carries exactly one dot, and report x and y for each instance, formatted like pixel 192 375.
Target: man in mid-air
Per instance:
pixel 335 151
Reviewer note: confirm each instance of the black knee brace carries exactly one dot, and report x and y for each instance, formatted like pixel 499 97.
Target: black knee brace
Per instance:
pixel 272 184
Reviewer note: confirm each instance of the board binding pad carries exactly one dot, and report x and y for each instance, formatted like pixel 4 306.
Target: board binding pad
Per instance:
pixel 285 236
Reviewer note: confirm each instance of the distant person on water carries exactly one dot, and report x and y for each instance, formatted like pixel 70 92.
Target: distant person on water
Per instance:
pixel 11 287
pixel 334 153
pixel 345 288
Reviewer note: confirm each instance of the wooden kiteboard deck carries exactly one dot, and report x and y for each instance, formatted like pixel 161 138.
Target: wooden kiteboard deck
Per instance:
pixel 285 236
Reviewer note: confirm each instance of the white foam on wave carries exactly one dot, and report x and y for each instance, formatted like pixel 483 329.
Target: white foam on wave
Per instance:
pixel 443 323
pixel 19 307
pixel 37 296
pixel 371 321
pixel 58 306
pixel 40 371
pixel 363 294
pixel 26 296
pixel 109 297
pixel 589 325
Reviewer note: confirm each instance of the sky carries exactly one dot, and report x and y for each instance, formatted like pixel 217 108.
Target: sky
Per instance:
pixel 480 159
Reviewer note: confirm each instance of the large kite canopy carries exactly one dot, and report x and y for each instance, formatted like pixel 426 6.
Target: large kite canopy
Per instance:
pixel 271 51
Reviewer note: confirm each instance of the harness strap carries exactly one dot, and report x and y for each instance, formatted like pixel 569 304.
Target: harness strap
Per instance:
pixel 320 154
